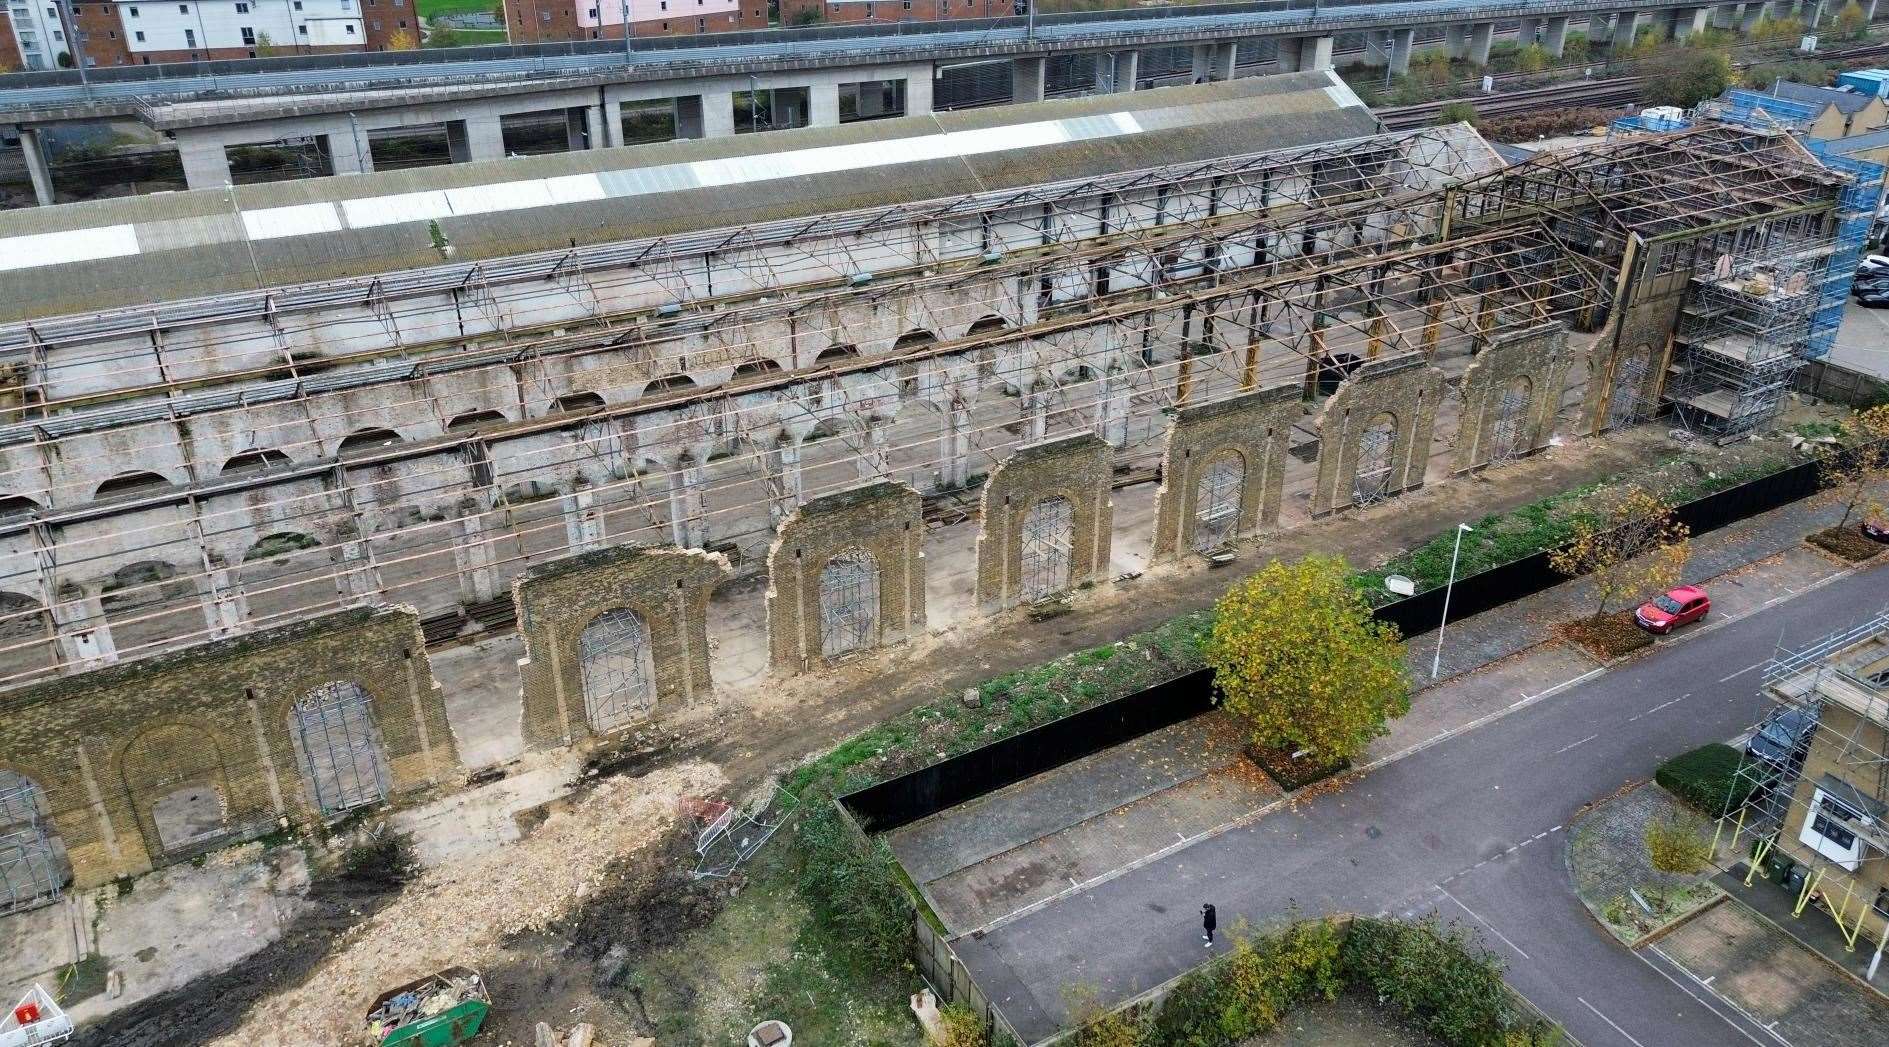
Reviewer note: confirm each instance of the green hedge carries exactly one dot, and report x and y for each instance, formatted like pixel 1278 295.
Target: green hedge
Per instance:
pixel 1437 979
pixel 1706 778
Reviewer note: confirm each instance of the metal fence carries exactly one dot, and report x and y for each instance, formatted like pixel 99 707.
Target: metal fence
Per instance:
pixel 1827 381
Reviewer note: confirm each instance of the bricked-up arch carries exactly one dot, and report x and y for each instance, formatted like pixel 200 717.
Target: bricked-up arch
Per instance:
pixel 1511 394
pixel 880 522
pixel 1403 387
pixel 110 745
pixel 1251 431
pixel 1626 367
pixel 557 600
pixel 1078 469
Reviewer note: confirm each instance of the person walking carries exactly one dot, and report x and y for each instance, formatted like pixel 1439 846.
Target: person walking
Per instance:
pixel 1208 920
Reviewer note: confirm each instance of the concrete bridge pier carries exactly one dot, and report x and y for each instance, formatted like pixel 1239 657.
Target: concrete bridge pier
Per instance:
pixel 346 145
pixel 1307 54
pixel 1749 16
pixel 1690 20
pixel 1215 61
pixel 1725 16
pixel 206 165
pixel 1627 26
pixel 1403 41
pixel 1813 13
pixel 710 114
pixel 1377 48
pixel 1124 68
pixel 1554 37
pixel 1530 28
pixel 36 167
pixel 581 131
pixel 476 138
pixel 918 88
pixel 1456 41
pixel 1481 35
pixel 823 105
pixel 1027 77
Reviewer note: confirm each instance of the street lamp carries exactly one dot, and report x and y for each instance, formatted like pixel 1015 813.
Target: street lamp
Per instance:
pixel 1436 663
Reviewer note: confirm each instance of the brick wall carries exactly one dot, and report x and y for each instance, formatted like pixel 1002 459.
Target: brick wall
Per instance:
pixel 1255 429
pixel 802 12
pixel 1643 331
pixel 1537 357
pixel 668 588
pixel 1404 387
pixel 535 21
pixel 107 745
pixel 101 37
pixel 9 46
pixel 1077 468
pixel 883 521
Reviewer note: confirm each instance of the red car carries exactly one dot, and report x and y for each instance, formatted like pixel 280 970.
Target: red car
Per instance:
pixel 1663 614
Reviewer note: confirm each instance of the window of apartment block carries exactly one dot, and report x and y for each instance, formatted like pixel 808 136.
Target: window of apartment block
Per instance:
pixel 302 29
pixel 403 23
pixel 134 12
pixel 183 9
pixel 298 5
pixel 249 36
pixel 592 13
pixel 138 36
pixel 377 25
pixel 701 25
pixel 242 9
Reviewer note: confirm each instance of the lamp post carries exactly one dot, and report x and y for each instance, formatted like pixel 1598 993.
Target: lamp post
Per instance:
pixel 626 32
pixel 1436 663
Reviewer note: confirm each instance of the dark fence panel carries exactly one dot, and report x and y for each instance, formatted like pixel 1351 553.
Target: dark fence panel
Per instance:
pixel 909 797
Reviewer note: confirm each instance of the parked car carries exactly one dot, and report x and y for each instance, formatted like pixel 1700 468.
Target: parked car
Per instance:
pixel 1875 263
pixel 1873 299
pixel 1870 282
pixel 1672 609
pixel 1783 738
pixel 1877 529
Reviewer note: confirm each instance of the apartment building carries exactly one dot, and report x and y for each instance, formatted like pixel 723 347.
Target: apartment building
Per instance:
pixel 141 32
pixel 534 21
pixel 37 36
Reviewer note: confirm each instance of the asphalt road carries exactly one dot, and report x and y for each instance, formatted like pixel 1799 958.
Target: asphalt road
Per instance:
pixel 1472 827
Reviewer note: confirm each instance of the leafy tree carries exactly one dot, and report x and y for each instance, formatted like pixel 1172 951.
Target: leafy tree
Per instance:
pixel 962 1027
pixel 1095 1024
pixel 1575 46
pixel 1689 76
pixel 1858 474
pixel 408 39
pixel 445 36
pixel 1299 658
pixel 1632 547
pixel 1851 22
pixel 1803 71
pixel 1778 32
pixel 265 47
pixel 1676 843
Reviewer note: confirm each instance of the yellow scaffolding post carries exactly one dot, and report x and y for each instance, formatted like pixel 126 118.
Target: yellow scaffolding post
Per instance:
pixel 1850 933
pixel 1736 829
pixel 1810 887
pixel 1757 859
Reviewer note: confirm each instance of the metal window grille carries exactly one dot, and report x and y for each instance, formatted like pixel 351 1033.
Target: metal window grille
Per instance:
pixel 1217 503
pixel 1048 536
pixel 619 674
pixel 1373 478
pixel 340 747
pixel 1623 398
pixel 1510 440
pixel 30 871
pixel 849 603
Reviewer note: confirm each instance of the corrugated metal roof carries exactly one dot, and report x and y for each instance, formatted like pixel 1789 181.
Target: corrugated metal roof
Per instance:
pixel 184 245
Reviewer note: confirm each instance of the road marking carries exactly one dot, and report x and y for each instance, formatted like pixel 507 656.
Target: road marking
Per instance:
pixel 1609 1021
pixel 1490 926
pixel 1583 741
pixel 1770 1030
pixel 1741 672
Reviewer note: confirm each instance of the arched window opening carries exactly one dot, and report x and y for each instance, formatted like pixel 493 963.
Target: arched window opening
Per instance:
pixel 675 383
pixel 21 616
pixel 367 440
pixel 577 402
pixel 17 506
pixel 32 858
pixel 1217 503
pixel 836 354
pixel 339 747
pixel 1048 539
pixel 1375 445
pixel 131 483
pixel 987 325
pixel 1509 438
pixel 849 604
pixel 474 419
pixel 618 669
pixel 914 339
pixel 755 369
pixel 281 543
pixel 256 461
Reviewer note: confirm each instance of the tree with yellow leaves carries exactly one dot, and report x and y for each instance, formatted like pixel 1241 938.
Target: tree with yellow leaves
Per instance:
pixel 1858 473
pixel 1633 546
pixel 1298 656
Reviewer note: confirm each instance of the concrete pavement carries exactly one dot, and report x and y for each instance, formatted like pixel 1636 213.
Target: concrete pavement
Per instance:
pixel 1471 826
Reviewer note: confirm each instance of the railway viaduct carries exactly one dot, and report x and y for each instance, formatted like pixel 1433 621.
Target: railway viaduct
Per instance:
pixel 831 75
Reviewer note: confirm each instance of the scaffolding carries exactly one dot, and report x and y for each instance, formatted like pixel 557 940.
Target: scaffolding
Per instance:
pixel 1816 821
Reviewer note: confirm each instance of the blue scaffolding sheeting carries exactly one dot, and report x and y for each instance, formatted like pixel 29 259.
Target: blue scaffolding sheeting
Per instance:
pixel 1856 213
pixel 1754 109
pixel 1641 122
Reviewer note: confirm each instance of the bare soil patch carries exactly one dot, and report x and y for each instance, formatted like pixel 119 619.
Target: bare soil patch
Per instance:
pixel 1294 772
pixel 1608 636
pixel 1848 544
